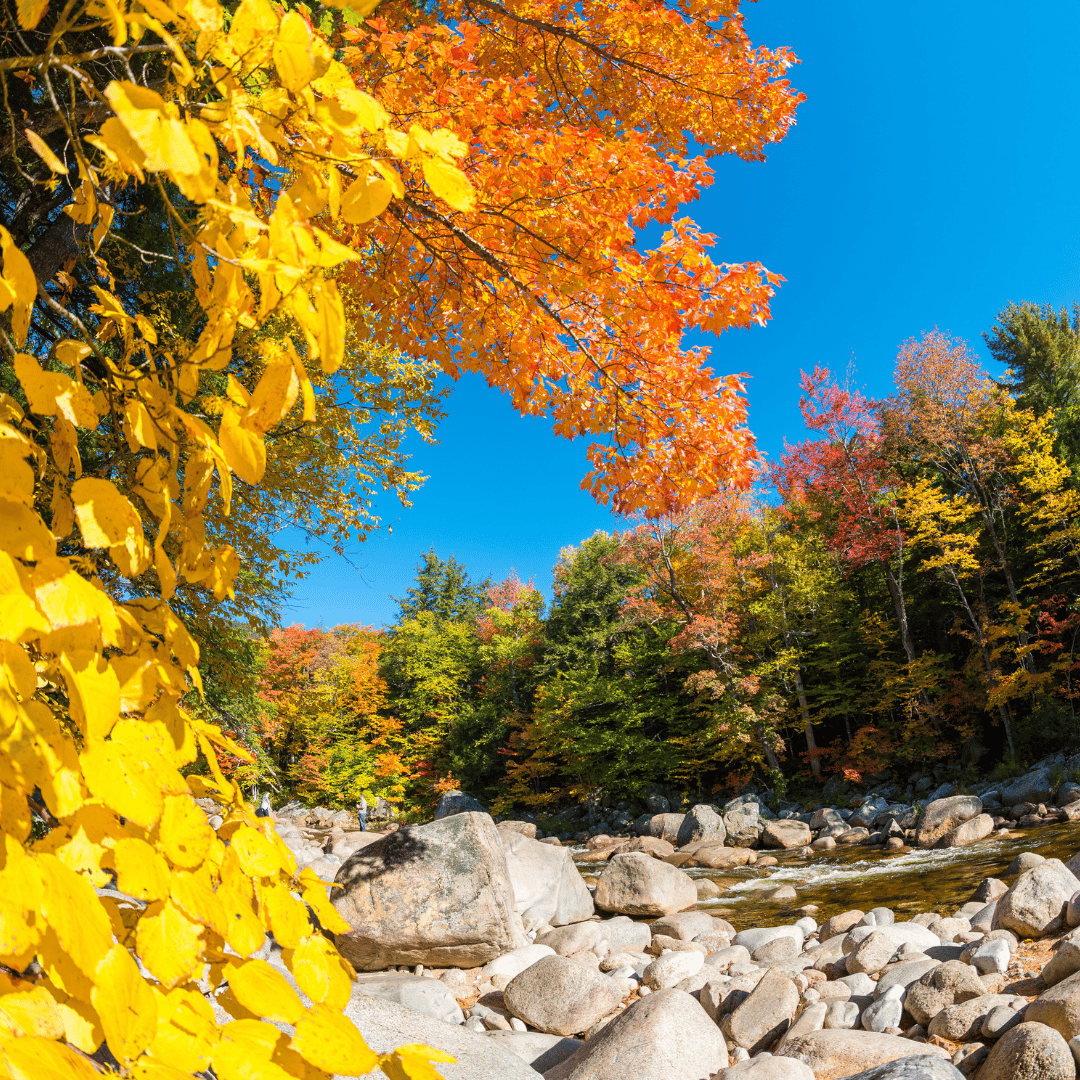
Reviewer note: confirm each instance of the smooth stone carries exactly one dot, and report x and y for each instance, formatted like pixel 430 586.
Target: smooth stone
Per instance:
pixel 775 951
pixel 886 1011
pixel 1024 861
pixel 548 889
pixel 1058 1007
pixel 684 925
pixel 701 822
pixel 992 956
pixel 637 884
pixel 1029 1051
pixel 514 963
pixel 998 1021
pixel 872 954
pixel 756 937
pixel 916 1067
pixel 786 834
pixel 671 968
pixel 904 933
pixel 903 974
pixel 963 1022
pixel 539 1049
pixel 1035 905
pixel 428 996
pixel 841 1015
pixel 841 924
pixel 716 855
pixel 943 815
pixel 833 1054
pixel 665 1036
pixel 970 832
pixel 765 1015
pixel 561 996
pixel 385 1025
pixel 599 936
pixel 665 827
pixel 812 1018
pixel 457 802
pixel 766 1067
pixel 942 986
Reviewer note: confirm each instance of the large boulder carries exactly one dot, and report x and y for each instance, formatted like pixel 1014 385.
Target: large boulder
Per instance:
pixel 665 827
pixel 665 1036
pixel 598 936
pixel 701 822
pixel 457 802
pixel 428 996
pixel 437 894
pixel 1035 787
pixel 561 996
pixel 637 884
pixel 834 1053
pixel 743 824
pixel 386 1025
pixel 976 828
pixel 787 833
pixel 1036 903
pixel 765 1015
pixel 540 1050
pixel 943 815
pixel 547 885
pixel 1029 1051
pixel 1058 1007
pixel 716 855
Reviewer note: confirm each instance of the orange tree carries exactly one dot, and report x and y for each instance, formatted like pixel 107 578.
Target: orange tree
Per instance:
pixel 178 178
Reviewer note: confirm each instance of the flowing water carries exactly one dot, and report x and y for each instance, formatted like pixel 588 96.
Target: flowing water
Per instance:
pixel 861 877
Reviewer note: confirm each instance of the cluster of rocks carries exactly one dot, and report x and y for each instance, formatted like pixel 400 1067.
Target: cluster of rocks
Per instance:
pixel 482 940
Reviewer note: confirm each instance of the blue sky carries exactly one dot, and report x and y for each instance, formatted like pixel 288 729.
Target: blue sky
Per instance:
pixel 932 177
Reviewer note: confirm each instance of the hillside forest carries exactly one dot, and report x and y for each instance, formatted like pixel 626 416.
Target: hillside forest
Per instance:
pixel 897 591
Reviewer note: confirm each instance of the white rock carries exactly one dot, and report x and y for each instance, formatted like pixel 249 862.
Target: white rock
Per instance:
pixel 841 1015
pixel 886 1012
pixel 991 956
pixel 514 963
pixel 671 968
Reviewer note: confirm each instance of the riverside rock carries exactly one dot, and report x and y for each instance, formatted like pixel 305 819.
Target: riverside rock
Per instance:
pixel 716 855
pixel 1058 1007
pixel 665 827
pixel 963 1022
pixel 437 894
pixel 766 1067
pixel 665 1036
pixel 685 925
pixel 1029 1051
pixel 765 1015
pixel 1036 903
pixel 539 1049
pixel 944 815
pixel 833 1054
pixel 786 834
pixel 671 968
pixel 701 822
pixel 940 987
pixel 457 802
pixel 598 936
pixel 428 996
pixel 970 832
pixel 546 883
pixel 637 884
pixel 561 996
pixel 742 823
pixel 916 1067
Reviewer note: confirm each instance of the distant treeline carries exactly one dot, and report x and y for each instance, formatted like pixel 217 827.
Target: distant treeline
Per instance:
pixel 900 590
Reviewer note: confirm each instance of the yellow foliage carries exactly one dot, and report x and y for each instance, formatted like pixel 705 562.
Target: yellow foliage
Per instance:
pixel 93 669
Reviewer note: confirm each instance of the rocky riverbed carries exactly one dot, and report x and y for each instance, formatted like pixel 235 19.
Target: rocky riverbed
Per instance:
pixel 675 953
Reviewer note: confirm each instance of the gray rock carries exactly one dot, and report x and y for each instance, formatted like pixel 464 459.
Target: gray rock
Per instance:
pixel 903 974
pixel 1029 1051
pixel 879 916
pixel 1067 794
pixel 872 954
pixel 743 824
pixel 977 828
pixel 867 814
pixel 991 956
pixel 754 938
pixel 665 827
pixel 823 818
pixel 599 936
pixel 657 804
pixel 885 1012
pixel 812 1018
pixel 457 802
pixel 786 834
pixel 943 815
pixel 665 1036
pixel 561 996
pixel 514 963
pixel 841 924
pixel 833 1054
pixel 386 1025
pixel 766 1067
pixel 1035 787
pixel 701 822
pixel 637 884
pixel 1058 1007
pixel 940 987
pixel 765 1015
pixel 1024 861
pixel 537 1048
pixel 841 1015
pixel 671 968
pixel 989 889
pixel 963 1022
pixel 916 1067
pixel 428 996
pixel 547 886
pixel 775 951
pixel 1035 905
pixel 998 1021
pixel 437 894
pixel 684 925
pixel 904 933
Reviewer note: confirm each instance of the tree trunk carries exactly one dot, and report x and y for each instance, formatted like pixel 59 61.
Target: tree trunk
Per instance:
pixel 808 727
pixel 900 605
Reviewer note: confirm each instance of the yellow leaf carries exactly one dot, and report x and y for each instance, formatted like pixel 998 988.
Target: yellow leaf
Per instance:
pixel 140 871
pixel 314 892
pixel 256 854
pixel 274 396
pixel 186 1033
pixel 193 893
pixel 52 393
pixel 330 1042
pixel 320 972
pixel 292 53
pixel 35 752
pixel 31 11
pixel 36 1058
pixel 138 427
pixel 449 183
pixel 74 913
pixel 413 1062
pixel 263 991
pixel 18 612
pixel 27 1008
pixel 365 199
pixel 126 1005
pixel 67 599
pixel 124 781
pixel 185 833
pixel 82 1028
pixel 41 148
pixel 23 534
pixel 169 944
pixel 19 286
pixel 289 919
pixel 244 932
pixel 244 450
pixel 162 138
pixel 93 693
pixel 245 1052
pixel 21 893
pixel 108 520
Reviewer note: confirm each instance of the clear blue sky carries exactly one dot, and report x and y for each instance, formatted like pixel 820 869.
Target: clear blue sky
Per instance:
pixel 933 176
